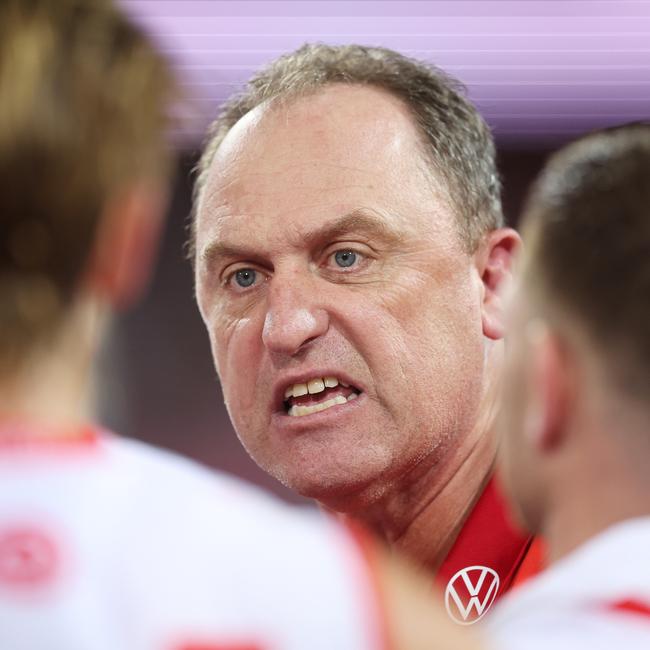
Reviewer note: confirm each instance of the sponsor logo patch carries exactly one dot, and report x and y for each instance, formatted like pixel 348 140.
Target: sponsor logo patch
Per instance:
pixel 28 557
pixel 470 594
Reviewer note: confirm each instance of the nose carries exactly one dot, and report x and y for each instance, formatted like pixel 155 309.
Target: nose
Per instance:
pixel 293 318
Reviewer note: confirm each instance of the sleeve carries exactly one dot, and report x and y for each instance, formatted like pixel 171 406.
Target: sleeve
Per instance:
pixel 589 629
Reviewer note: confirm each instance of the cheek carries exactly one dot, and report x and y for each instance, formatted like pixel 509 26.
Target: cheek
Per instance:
pixel 424 349
pixel 236 349
pixel 446 361
pixel 444 331
pixel 512 452
pixel 515 390
pixel 442 301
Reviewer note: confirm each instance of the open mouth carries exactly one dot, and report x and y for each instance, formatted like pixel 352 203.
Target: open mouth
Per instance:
pixel 317 394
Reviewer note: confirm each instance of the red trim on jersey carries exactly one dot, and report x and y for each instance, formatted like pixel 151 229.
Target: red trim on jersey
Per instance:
pixel 630 606
pixel 17 435
pixel 220 646
pixel 369 550
pixel 489 539
pixel 533 563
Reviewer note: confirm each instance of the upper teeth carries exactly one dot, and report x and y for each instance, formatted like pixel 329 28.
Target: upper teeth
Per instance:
pixel 313 386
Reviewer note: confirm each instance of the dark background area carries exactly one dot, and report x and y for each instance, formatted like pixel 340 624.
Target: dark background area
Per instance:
pixel 157 381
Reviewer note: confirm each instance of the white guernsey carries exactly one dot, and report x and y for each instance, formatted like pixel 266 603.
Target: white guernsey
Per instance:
pixel 107 544
pixel 596 598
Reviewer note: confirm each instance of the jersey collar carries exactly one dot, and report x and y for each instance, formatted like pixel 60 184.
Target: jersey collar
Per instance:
pixel 488 541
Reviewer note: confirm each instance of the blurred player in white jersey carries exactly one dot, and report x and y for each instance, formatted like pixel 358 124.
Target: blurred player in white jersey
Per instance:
pixel 575 453
pixel 106 543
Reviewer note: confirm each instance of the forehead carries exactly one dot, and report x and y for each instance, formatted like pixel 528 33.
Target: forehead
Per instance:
pixel 342 149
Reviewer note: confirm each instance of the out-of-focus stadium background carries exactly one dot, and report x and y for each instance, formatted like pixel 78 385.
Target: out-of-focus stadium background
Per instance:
pixel 541 72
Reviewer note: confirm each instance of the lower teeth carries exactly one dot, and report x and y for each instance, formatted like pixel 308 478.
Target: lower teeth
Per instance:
pixel 298 411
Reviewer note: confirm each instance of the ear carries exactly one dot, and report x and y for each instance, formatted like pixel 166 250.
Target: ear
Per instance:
pixel 549 377
pixel 126 241
pixel 494 263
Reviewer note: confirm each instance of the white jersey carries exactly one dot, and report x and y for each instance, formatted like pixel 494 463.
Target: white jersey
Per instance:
pixel 110 544
pixel 596 598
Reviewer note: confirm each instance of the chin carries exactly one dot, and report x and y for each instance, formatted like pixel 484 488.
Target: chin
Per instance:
pixel 341 490
pixel 345 493
pixel 330 469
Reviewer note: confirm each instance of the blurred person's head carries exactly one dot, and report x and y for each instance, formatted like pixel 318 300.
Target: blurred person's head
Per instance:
pixel 576 420
pixel 83 170
pixel 348 227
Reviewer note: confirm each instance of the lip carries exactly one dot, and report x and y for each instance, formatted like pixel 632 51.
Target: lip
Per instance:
pixel 333 416
pixel 302 378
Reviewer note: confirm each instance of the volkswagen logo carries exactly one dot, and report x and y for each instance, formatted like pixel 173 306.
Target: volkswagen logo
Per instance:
pixel 470 594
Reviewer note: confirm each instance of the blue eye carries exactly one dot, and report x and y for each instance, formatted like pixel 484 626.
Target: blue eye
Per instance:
pixel 245 277
pixel 345 258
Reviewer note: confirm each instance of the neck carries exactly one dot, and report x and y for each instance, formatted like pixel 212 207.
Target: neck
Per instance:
pixel 620 491
pixel 423 515
pixel 51 387
pixel 453 492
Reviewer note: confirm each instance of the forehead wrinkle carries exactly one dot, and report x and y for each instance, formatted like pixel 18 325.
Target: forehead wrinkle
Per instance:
pixel 365 221
pixel 358 221
pixel 248 187
pixel 251 183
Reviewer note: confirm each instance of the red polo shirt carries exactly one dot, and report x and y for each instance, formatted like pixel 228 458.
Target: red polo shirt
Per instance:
pixel 489 556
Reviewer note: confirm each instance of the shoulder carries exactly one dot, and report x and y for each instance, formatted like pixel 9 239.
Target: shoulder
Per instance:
pixel 181 492
pixel 216 541
pixel 188 550
pixel 222 522
pixel 581 601
pixel 145 464
pixel 589 628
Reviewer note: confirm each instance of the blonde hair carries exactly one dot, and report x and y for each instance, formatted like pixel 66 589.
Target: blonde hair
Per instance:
pixel 84 110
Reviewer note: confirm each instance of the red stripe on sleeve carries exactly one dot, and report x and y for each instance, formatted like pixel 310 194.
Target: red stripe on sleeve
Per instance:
pixel 630 606
pixel 220 646
pixel 533 563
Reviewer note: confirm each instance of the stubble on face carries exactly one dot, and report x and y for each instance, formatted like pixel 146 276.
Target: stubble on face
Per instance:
pixel 289 187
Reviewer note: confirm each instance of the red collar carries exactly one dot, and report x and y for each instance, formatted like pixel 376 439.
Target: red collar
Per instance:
pixel 23 436
pixel 488 540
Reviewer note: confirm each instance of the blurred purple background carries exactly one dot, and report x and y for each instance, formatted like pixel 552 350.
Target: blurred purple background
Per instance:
pixel 540 72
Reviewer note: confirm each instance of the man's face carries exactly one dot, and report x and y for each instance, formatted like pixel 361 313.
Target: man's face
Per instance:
pixel 326 252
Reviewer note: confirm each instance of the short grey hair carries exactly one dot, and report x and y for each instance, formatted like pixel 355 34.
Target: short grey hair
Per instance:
pixel 457 139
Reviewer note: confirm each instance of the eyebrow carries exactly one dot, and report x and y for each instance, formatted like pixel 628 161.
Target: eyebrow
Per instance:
pixel 360 220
